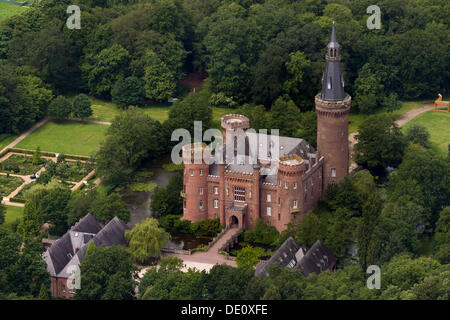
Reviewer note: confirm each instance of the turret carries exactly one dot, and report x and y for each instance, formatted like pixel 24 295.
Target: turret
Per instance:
pixel 332 108
pixel 291 169
pixel 195 187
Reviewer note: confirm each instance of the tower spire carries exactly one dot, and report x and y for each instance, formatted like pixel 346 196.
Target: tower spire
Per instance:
pixel 332 79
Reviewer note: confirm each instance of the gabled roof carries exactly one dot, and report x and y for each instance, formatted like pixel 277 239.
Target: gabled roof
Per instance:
pixel 283 256
pixel 87 224
pixel 112 234
pixel 290 254
pixel 317 259
pixel 71 247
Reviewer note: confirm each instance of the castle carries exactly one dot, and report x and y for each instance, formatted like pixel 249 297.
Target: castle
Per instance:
pixel 276 189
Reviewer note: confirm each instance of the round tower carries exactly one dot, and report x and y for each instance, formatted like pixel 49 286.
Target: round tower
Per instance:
pixel 195 185
pixel 231 123
pixel 291 169
pixel 332 108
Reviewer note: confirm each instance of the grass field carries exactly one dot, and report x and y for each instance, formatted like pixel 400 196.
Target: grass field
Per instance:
pixel 106 111
pixel 356 119
pixel 67 137
pixel 438 125
pixel 6 139
pixel 9 10
pixel 13 214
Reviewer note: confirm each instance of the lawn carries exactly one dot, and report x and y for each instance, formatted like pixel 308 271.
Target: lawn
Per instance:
pixel 6 139
pixel 69 137
pixel 9 10
pixel 438 125
pixel 13 214
pixel 106 111
pixel 356 119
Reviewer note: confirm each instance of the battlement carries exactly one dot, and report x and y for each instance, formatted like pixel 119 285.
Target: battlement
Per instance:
pixel 196 153
pixel 235 121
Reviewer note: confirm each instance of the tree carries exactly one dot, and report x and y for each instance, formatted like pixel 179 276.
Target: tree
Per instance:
pixel 81 106
pixel 442 231
pixel 380 142
pixel 261 234
pixel 432 176
pixel 132 137
pixel 108 273
pixel 60 108
pixel 159 82
pixel 106 67
pixel 43 293
pixel 30 223
pixel 398 230
pixel 127 92
pixel 248 256
pixel 167 200
pixel 296 66
pixel 365 232
pixel 37 156
pixel 285 116
pixel 105 207
pixel 418 134
pixel 309 230
pixel 2 213
pixel 52 209
pixel 368 89
pixel 146 240
pixel 392 103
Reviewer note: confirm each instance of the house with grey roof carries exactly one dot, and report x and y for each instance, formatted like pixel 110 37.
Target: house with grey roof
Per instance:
pixel 64 256
pixel 295 257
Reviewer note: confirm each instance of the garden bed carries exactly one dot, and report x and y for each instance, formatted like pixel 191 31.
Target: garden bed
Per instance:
pixel 9 184
pixel 68 170
pixel 21 165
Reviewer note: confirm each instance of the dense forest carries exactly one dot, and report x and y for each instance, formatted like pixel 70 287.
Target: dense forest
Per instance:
pixel 252 52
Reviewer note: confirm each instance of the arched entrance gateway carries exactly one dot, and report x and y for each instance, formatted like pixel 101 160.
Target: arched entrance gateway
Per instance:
pixel 234 222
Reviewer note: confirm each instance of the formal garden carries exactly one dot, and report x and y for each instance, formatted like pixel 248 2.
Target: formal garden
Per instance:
pixel 8 184
pixel 22 164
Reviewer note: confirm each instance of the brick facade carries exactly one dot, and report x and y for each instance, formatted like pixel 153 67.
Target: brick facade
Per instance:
pixel 239 193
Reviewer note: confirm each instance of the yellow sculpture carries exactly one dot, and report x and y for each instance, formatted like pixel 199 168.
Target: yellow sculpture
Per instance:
pixel 439 104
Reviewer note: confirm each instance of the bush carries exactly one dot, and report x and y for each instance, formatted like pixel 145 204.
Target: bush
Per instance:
pixel 261 234
pixel 81 106
pixel 208 227
pixel 175 224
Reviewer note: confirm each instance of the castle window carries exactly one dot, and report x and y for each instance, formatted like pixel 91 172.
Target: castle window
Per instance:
pixel 216 190
pixel 269 198
pixel 295 185
pixel 200 190
pixel 294 204
pixel 333 172
pixel 286 185
pixel 201 205
pixel 239 194
pixel 184 204
pixel 191 172
pixel 201 172
pixel 216 203
pixel 269 211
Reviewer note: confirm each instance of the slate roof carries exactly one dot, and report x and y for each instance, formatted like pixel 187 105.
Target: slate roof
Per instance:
pixel 70 249
pixel 317 259
pixel 283 256
pixel 290 254
pixel 243 164
pixel 332 79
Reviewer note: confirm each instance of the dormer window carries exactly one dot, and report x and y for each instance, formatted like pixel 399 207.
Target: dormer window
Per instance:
pixel 329 84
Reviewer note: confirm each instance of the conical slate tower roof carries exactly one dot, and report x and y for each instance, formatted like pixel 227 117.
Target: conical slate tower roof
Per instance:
pixel 332 79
